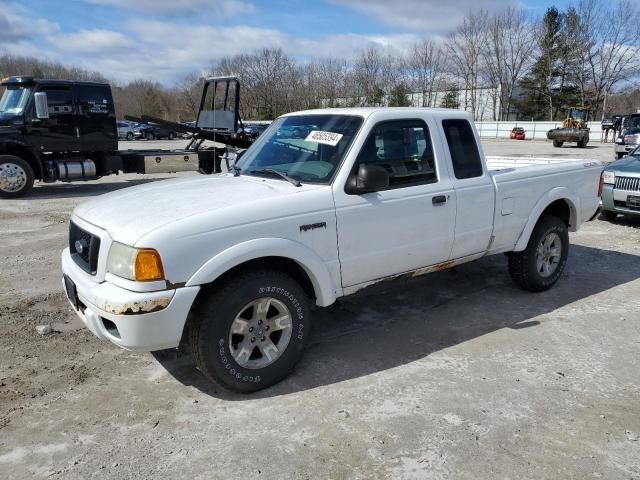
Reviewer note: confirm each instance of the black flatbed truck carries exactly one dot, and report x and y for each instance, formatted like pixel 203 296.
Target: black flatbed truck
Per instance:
pixel 57 130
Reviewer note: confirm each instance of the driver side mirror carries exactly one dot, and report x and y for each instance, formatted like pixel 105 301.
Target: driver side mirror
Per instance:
pixel 370 178
pixel 42 106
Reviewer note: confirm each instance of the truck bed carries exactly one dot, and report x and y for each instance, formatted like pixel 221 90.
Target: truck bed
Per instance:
pixel 523 183
pixel 496 163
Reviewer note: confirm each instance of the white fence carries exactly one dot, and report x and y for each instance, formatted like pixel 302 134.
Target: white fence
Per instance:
pixel 533 130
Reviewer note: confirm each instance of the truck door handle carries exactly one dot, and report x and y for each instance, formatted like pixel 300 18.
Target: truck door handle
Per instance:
pixel 438 199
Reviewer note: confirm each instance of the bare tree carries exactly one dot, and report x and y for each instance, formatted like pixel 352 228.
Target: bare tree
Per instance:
pixel 368 73
pixel 189 94
pixel 425 65
pixel 464 49
pixel 506 54
pixel 610 42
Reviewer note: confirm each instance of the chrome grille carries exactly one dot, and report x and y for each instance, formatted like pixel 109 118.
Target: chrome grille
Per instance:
pixel 630 184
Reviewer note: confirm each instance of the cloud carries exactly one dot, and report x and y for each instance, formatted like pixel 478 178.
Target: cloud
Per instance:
pixel 93 41
pixel 19 26
pixel 224 8
pixel 433 16
pixel 166 50
pixel 348 45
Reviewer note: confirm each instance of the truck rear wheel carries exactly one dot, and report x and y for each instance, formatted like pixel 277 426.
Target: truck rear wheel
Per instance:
pixel 16 176
pixel 251 332
pixel 540 265
pixel 558 143
pixel 582 143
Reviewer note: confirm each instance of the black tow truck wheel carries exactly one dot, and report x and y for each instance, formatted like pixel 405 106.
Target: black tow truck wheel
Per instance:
pixel 16 176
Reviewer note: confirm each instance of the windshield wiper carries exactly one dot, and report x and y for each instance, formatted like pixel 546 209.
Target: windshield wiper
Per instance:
pixel 292 181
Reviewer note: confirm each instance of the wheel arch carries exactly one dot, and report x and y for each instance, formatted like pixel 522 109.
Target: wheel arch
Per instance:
pixel 288 256
pixel 24 152
pixel 559 203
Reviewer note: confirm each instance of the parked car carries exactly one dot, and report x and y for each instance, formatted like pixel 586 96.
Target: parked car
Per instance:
pixel 254 130
pixel 611 121
pixel 621 193
pixel 188 134
pixel 153 132
pixel 360 196
pixel 629 137
pixel 125 130
pixel 517 133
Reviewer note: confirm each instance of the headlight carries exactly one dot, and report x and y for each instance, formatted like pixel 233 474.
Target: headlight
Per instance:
pixel 609 177
pixel 139 264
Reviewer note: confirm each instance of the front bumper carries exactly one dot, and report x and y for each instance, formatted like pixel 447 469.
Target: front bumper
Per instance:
pixel 143 321
pixel 620 148
pixel 614 200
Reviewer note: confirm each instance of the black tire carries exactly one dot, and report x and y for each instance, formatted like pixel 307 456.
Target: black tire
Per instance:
pixel 558 143
pixel 211 341
pixel 12 165
pixel 171 135
pixel 608 215
pixel 523 266
pixel 150 136
pixel 582 143
pixel 129 136
pixel 619 155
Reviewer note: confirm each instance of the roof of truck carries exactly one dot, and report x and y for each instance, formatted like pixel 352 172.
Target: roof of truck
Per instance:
pixel 368 111
pixel 24 79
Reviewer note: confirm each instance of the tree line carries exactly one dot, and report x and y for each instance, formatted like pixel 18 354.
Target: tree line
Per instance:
pixel 502 65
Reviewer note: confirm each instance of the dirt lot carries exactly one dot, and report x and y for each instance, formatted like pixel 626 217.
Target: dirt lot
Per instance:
pixel 455 375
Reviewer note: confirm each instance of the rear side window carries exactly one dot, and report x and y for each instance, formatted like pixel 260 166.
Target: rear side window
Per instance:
pixel 464 150
pixel 94 100
pixel 59 100
pixel 403 148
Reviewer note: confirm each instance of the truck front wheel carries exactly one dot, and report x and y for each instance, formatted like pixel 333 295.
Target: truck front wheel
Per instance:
pixel 540 265
pixel 558 143
pixel 251 332
pixel 16 176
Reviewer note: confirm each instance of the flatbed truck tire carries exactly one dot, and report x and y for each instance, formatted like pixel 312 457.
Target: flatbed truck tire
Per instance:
pixel 16 176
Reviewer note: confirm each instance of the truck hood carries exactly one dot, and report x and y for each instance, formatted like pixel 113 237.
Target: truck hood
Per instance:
pixel 133 212
pixel 630 164
pixel 9 119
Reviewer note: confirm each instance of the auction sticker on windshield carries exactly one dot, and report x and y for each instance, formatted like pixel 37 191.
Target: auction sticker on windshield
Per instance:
pixel 328 138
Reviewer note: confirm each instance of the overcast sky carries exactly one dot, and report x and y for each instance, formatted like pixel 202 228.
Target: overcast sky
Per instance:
pixel 166 39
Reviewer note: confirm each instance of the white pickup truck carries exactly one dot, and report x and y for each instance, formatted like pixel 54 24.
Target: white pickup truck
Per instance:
pixel 325 202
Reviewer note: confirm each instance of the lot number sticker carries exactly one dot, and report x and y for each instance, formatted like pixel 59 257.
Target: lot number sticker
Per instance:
pixel 328 138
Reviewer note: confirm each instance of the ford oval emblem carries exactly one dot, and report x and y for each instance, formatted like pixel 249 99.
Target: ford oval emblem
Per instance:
pixel 81 246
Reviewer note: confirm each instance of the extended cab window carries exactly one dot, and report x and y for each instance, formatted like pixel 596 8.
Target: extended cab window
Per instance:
pixel 403 148
pixel 59 100
pixel 464 150
pixel 94 100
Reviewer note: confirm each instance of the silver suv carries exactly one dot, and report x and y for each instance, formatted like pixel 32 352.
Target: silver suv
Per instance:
pixel 125 130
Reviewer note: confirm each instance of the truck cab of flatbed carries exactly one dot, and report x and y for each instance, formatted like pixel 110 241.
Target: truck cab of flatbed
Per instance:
pixel 53 129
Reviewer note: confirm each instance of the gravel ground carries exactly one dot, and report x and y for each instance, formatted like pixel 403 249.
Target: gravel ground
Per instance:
pixel 454 375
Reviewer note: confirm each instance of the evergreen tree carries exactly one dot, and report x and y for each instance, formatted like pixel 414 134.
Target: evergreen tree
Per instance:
pixel 399 96
pixel 450 99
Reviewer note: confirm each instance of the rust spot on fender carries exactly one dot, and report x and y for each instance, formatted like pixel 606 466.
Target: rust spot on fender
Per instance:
pixel 443 266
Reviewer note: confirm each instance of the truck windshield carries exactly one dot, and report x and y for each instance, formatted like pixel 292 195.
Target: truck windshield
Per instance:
pixel 14 100
pixel 307 148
